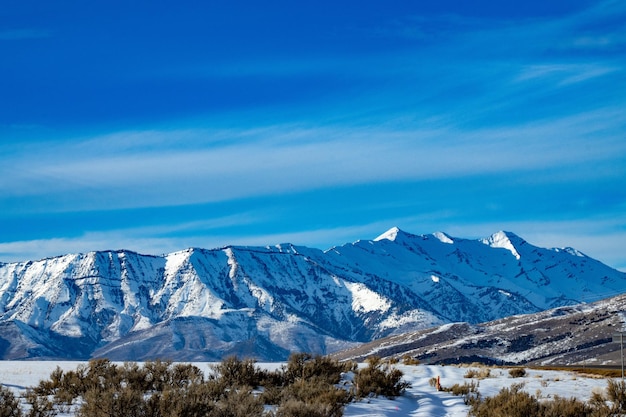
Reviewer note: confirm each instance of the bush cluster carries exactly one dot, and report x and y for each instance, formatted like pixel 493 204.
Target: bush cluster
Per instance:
pixel 379 379
pixel 9 405
pixel 465 389
pixel 513 402
pixel 306 386
pixel 517 372
pixel 156 389
pixel 481 373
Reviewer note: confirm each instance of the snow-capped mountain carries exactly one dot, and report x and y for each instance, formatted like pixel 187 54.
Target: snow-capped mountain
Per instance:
pixel 265 302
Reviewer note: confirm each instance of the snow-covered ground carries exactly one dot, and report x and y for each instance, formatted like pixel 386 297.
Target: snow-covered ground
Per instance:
pixel 420 400
pixel 423 400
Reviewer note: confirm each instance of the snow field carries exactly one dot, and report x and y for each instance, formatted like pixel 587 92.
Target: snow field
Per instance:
pixel 421 400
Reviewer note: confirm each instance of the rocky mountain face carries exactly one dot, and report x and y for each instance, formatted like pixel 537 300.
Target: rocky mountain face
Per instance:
pixel 579 335
pixel 266 302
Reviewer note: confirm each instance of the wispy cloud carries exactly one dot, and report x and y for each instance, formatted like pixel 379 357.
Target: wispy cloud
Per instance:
pixel 565 74
pixel 599 28
pixel 158 239
pixel 152 240
pixel 287 158
pixel 500 107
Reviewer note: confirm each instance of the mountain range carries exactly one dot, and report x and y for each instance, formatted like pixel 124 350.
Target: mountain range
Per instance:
pixel 266 302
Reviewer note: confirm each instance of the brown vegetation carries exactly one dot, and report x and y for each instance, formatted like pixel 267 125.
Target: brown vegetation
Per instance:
pixel 513 402
pixel 306 386
pixel 379 379
pixel 517 372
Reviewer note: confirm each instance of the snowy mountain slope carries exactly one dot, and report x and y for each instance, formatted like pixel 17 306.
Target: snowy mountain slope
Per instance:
pixel 569 335
pixel 199 304
pixel 479 280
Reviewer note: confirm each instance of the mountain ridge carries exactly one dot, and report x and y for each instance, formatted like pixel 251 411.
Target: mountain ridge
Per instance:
pixel 570 335
pixel 266 301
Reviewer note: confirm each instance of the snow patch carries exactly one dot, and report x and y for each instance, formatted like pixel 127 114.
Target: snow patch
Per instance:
pixel 444 328
pixel 365 300
pixel 265 299
pixel 501 240
pixel 571 251
pixel 435 278
pixel 232 262
pixel 285 248
pixel 174 262
pixel 390 234
pixel 416 318
pixel 142 323
pixel 443 238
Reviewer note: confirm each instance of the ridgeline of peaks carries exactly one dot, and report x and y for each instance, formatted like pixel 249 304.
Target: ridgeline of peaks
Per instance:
pixel 266 302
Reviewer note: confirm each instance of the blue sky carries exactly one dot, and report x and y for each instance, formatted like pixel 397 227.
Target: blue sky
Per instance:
pixel 157 126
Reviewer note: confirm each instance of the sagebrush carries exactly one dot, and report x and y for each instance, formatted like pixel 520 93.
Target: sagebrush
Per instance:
pixel 307 385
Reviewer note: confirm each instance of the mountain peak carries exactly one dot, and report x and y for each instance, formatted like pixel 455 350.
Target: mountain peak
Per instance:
pixel 391 234
pixel 443 238
pixel 504 240
pixel 268 301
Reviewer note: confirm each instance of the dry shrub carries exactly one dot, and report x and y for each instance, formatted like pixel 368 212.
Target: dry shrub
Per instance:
pixel 306 366
pixel 469 391
pixel 239 373
pixel 410 360
pixel 562 407
pixel 195 400
pixel 598 403
pixel 510 402
pixel 272 395
pixel 458 389
pixel 238 403
pixel 295 408
pixel 184 375
pixel 517 372
pixel 616 393
pixel 315 390
pixel 40 405
pixel 379 379
pixel 481 373
pixel 9 405
pixel 307 386
pixel 111 402
pixel 513 402
pixel 157 375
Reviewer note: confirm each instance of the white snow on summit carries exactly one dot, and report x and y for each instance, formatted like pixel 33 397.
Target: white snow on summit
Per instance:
pixel 501 240
pixel 443 238
pixel 275 299
pixel 390 234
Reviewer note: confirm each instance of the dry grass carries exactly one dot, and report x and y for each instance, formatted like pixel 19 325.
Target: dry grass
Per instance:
pixel 481 373
pixel 586 371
